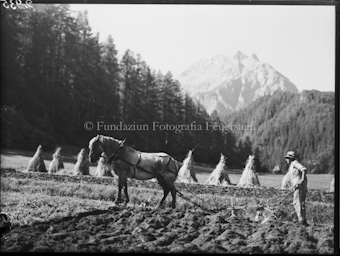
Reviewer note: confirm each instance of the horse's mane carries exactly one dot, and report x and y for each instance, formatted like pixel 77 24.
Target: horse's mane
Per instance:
pixel 106 140
pixel 109 142
pixel 93 140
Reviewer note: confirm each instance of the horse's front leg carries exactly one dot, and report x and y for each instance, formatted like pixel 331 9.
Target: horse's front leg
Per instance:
pixel 173 193
pixel 120 186
pixel 126 193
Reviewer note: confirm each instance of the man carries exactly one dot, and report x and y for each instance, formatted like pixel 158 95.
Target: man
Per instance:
pixel 299 181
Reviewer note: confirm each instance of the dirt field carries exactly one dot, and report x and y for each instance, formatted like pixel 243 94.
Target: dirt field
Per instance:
pixel 185 229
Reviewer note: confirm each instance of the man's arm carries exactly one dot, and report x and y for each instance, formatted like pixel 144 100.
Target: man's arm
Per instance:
pixel 303 171
pixel 303 176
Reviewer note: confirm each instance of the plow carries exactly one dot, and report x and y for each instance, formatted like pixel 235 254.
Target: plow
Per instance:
pixel 264 208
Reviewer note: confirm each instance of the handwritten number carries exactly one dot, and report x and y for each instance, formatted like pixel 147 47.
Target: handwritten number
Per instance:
pixel 12 5
pixel 5 4
pixel 29 4
pixel 19 3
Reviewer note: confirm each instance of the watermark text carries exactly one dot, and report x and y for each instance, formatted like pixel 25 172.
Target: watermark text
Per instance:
pixel 157 126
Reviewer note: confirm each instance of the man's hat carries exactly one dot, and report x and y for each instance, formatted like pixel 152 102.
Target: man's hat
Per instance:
pixel 290 154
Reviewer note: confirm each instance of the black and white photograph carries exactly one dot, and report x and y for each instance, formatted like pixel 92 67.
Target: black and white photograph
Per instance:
pixel 170 127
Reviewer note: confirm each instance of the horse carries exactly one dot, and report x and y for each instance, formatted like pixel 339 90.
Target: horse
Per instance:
pixel 130 163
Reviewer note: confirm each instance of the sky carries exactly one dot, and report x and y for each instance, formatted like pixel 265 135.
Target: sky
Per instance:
pixel 298 41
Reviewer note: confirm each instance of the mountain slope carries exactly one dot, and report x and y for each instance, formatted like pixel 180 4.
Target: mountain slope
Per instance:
pixel 304 123
pixel 228 84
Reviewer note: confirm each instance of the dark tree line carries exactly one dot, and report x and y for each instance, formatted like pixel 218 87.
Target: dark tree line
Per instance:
pixel 304 123
pixel 56 75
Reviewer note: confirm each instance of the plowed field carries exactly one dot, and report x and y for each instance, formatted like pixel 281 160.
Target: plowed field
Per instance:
pixel 186 230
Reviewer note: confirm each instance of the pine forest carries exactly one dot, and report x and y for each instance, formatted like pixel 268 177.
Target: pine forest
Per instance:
pixel 57 75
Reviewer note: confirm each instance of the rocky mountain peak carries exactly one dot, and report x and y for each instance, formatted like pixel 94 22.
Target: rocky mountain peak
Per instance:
pixel 228 84
pixel 255 57
pixel 239 56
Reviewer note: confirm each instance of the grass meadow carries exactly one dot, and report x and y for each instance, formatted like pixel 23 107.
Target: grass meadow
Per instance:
pixel 18 159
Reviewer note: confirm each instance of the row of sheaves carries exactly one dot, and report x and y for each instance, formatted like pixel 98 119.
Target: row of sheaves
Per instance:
pixel 56 166
pixel 186 174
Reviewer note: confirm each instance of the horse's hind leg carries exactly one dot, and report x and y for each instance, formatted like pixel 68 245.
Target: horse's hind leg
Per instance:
pixel 126 193
pixel 165 190
pixel 173 193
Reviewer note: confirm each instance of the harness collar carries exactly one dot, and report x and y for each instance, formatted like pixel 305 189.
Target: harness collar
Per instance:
pixel 122 145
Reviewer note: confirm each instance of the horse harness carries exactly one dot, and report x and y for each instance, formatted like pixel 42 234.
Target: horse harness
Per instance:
pixel 115 157
pixel 117 151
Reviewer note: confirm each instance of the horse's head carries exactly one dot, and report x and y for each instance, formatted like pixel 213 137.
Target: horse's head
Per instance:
pixel 96 149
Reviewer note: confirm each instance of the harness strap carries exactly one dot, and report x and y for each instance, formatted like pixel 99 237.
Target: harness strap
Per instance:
pixel 166 167
pixel 136 166
pixel 117 151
